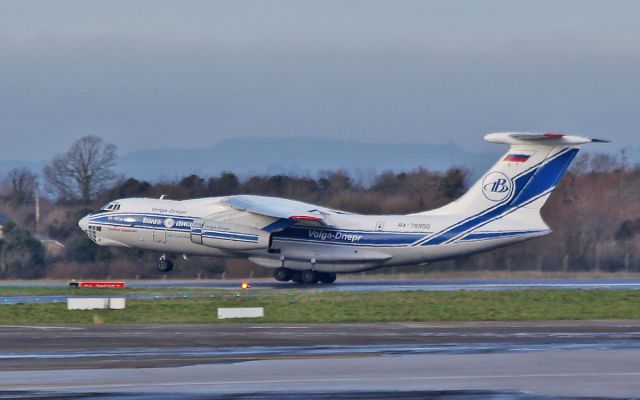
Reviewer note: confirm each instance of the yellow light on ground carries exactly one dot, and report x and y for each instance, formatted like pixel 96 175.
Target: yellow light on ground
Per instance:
pixel 245 285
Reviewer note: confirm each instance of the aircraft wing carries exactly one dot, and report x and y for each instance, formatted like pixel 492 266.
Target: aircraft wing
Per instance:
pixel 295 211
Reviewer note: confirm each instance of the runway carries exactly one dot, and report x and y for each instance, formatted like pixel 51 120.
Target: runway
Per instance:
pixel 377 285
pixel 501 360
pixel 340 286
pixel 382 285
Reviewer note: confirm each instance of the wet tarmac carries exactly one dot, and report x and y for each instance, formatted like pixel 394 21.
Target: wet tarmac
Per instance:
pixel 488 360
pixel 290 395
pixel 296 395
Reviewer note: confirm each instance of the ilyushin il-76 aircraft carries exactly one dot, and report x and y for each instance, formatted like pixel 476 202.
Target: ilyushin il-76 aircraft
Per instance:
pixel 306 243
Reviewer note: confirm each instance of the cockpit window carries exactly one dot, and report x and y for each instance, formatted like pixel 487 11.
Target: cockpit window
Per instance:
pixel 113 206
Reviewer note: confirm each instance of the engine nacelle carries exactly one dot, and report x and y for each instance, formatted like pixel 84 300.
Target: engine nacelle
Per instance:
pixel 223 235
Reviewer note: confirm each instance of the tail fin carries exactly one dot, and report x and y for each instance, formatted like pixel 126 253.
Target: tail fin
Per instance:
pixel 521 181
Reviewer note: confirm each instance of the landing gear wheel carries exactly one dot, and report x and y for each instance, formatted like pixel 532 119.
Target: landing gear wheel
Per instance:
pixel 282 274
pixel 165 265
pixel 327 277
pixel 296 276
pixel 309 277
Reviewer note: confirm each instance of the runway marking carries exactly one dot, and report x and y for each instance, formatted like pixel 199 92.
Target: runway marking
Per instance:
pixel 138 385
pixel 278 327
pixel 43 328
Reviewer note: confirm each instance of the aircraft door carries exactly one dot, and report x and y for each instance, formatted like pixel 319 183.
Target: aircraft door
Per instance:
pixel 196 231
pixel 160 235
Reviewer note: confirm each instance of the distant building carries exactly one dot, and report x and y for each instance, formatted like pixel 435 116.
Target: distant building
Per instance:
pixel 52 247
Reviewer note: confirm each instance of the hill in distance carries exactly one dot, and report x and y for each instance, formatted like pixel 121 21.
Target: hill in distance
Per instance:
pixel 303 157
pixel 298 156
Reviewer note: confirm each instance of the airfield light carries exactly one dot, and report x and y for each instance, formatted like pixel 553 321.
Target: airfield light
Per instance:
pixel 245 285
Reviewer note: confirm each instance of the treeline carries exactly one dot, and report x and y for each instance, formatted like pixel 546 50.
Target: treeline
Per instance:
pixel 594 213
pixel 389 193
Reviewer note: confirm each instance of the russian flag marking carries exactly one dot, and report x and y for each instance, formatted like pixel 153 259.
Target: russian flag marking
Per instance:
pixel 519 158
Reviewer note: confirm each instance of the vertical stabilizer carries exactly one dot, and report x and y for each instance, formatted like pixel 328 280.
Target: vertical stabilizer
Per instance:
pixel 521 181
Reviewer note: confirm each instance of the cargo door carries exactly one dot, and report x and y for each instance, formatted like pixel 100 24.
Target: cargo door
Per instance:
pixel 196 231
pixel 160 234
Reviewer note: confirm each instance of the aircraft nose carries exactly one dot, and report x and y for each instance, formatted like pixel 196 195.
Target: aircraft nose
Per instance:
pixel 84 223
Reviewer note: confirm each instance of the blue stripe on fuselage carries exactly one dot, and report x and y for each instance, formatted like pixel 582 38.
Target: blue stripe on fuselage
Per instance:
pixel 497 234
pixel 346 236
pixel 143 220
pixel 156 221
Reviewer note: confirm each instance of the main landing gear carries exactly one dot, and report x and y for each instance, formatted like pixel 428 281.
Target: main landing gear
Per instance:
pixel 165 264
pixel 308 276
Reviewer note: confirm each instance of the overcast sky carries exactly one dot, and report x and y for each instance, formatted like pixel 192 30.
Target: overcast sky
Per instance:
pixel 187 74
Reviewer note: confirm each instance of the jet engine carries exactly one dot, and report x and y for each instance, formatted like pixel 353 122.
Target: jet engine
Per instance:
pixel 228 236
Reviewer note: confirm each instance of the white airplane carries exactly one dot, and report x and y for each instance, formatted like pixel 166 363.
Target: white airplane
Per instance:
pixel 306 243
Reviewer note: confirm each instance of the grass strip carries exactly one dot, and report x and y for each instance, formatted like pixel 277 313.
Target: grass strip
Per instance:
pixel 323 307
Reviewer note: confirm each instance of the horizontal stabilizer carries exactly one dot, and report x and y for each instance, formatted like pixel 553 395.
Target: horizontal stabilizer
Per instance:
pixel 551 139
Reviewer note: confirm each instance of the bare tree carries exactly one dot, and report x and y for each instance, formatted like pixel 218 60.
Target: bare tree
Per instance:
pixel 18 185
pixel 83 170
pixel 602 162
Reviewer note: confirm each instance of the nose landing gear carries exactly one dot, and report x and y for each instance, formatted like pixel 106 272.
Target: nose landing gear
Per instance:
pixel 165 264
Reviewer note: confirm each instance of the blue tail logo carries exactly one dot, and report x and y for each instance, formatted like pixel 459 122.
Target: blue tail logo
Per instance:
pixel 496 186
pixel 499 186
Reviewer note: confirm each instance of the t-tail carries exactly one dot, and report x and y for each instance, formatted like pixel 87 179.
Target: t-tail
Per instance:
pixel 506 201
